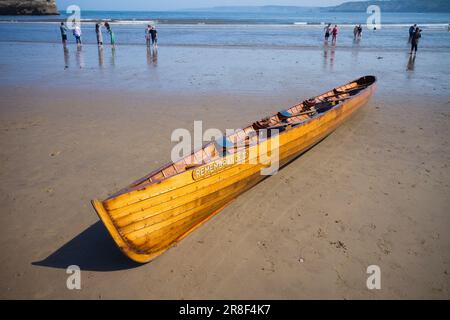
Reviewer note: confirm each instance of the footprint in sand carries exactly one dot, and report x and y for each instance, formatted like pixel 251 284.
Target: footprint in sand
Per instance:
pixel 385 246
pixel 269 267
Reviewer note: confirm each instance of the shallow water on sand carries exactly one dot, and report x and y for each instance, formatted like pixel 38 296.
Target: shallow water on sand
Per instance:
pixel 434 37
pixel 232 70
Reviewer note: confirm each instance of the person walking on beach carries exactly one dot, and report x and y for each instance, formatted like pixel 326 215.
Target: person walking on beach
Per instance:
pixel 148 35
pixel 327 30
pixel 415 40
pixel 334 33
pixel 98 32
pixel 63 30
pixel 355 32
pixel 77 35
pixel 112 36
pixel 412 29
pixel 154 35
pixel 359 31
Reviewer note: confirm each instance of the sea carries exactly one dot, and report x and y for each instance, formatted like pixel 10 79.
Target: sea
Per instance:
pixel 285 29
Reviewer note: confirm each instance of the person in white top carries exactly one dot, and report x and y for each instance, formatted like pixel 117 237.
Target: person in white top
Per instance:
pixel 148 35
pixel 77 34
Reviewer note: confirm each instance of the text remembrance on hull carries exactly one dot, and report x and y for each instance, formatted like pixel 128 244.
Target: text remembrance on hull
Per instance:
pixel 220 165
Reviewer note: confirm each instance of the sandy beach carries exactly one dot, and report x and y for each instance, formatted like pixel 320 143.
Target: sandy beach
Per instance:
pixel 79 125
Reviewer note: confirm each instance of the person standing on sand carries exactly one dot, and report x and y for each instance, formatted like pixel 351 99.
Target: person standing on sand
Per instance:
pixel 77 35
pixel 111 34
pixel 327 30
pixel 334 32
pixel 98 32
pixel 63 30
pixel 154 35
pixel 412 29
pixel 415 40
pixel 148 35
pixel 359 31
pixel 355 32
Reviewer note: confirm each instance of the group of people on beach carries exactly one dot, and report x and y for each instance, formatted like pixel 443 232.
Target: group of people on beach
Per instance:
pixel 331 31
pixel 415 33
pixel 357 32
pixel 98 33
pixel 151 35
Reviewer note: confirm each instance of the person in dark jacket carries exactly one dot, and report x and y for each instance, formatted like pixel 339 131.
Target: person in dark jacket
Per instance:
pixel 327 30
pixel 412 29
pixel 63 30
pixel 154 36
pixel 415 40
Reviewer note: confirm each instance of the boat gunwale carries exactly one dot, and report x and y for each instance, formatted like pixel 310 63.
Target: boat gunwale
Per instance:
pixel 193 182
pixel 142 256
pixel 133 187
pixel 121 217
pixel 145 256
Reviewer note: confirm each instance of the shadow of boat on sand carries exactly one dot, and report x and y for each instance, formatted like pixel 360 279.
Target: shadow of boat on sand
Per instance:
pixel 95 250
pixel 91 250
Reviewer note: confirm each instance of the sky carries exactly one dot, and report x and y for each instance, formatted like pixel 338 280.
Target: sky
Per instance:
pixel 184 4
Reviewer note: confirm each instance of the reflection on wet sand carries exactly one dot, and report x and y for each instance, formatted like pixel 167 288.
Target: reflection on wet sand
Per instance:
pixel 325 55
pixel 411 63
pixel 100 56
pixel 355 48
pixel 80 57
pixel 332 57
pixel 149 56
pixel 113 56
pixel 152 57
pixel 328 49
pixel 66 57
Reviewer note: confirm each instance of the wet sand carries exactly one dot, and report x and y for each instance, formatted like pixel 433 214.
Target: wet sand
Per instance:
pixel 374 192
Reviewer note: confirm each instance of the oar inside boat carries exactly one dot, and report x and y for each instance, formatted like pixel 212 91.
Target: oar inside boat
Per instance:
pixel 225 145
pixel 317 108
pixel 322 106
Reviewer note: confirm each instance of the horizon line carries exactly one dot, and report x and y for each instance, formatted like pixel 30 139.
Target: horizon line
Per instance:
pixel 203 8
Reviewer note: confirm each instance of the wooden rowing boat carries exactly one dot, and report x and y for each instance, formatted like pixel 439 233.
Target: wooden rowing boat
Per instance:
pixel 152 214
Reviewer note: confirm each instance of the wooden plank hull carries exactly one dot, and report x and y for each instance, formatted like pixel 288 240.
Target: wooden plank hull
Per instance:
pixel 144 222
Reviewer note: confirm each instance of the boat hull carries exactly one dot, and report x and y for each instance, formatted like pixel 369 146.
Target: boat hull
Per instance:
pixel 146 222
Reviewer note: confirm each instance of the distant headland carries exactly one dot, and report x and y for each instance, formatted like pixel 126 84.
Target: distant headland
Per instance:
pixel 421 6
pixel 28 7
